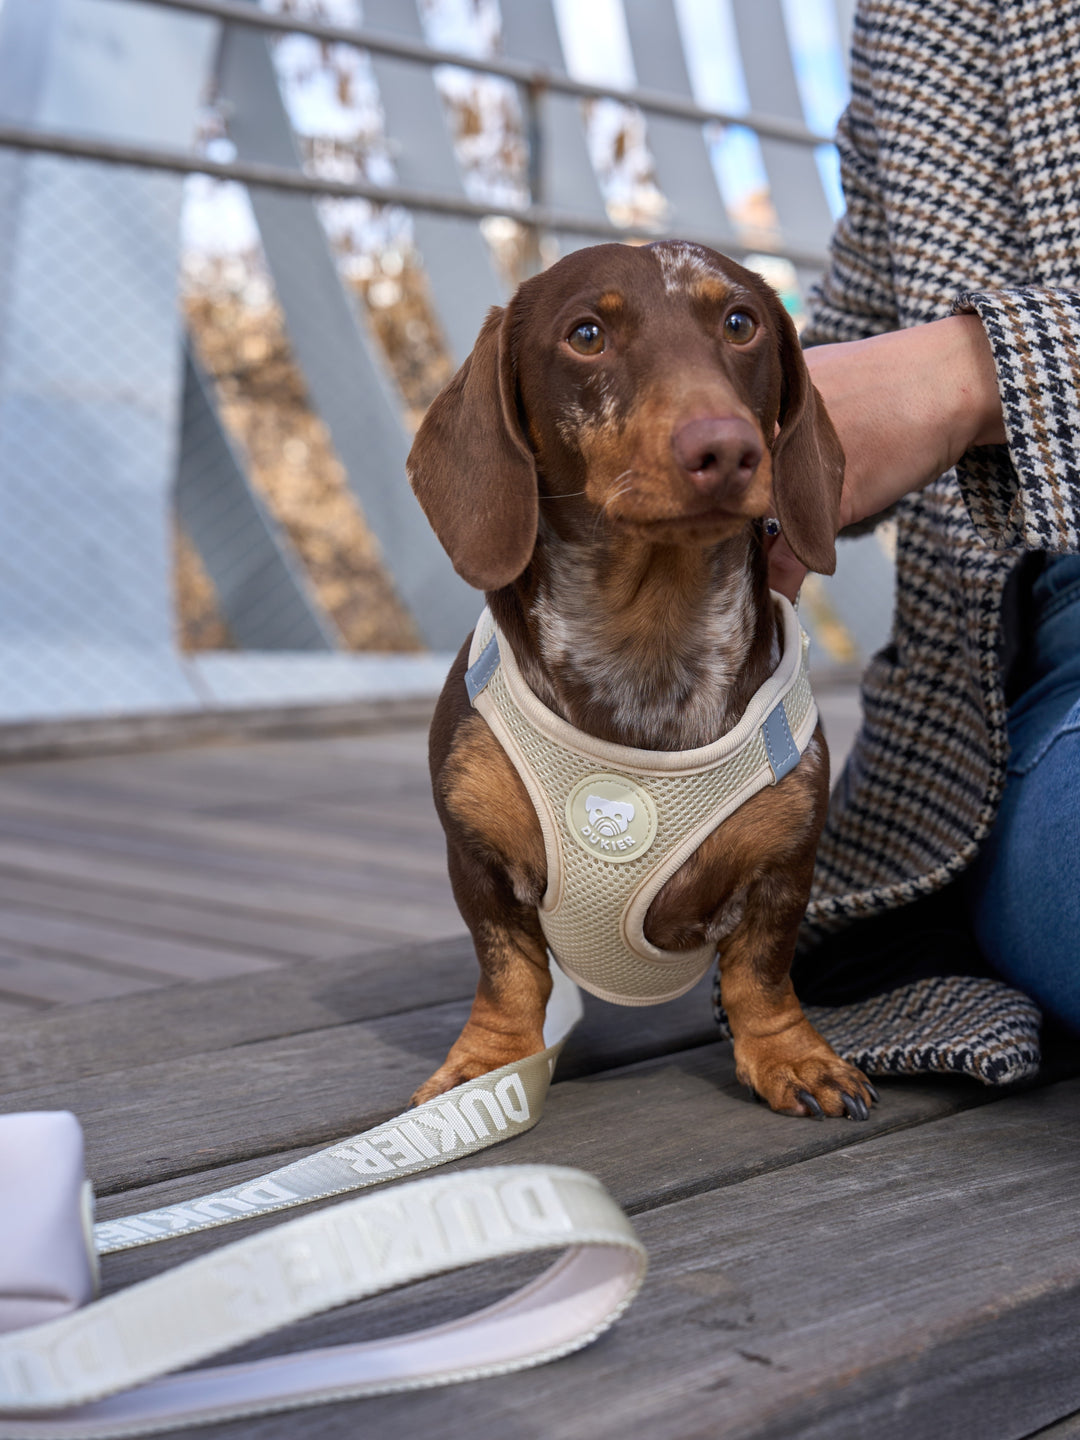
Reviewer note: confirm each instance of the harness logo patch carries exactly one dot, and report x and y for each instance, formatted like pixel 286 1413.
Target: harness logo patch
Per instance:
pixel 611 817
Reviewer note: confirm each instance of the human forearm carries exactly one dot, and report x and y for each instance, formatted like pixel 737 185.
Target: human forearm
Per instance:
pixel 906 406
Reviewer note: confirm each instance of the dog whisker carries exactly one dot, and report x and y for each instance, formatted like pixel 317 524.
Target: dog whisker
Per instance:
pixel 615 495
pixel 618 494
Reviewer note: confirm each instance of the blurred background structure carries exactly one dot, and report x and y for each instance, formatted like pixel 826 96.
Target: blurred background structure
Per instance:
pixel 242 247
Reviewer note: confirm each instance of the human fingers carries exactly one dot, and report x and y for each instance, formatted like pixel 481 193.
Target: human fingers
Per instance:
pixel 786 573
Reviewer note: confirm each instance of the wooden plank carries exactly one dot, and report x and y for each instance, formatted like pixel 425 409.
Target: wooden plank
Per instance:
pixel 271 835
pixel 921 1284
pixel 202 778
pixel 16 1009
pixel 412 831
pixel 412 823
pixel 381 881
pixel 192 1019
pixel 26 934
pixel 63 982
pixel 629 1126
pixel 1068 1429
pixel 308 1089
pixel 156 915
pixel 197 1019
pixel 302 1087
pixel 281 768
pixel 129 734
pixel 203 844
pixel 371 914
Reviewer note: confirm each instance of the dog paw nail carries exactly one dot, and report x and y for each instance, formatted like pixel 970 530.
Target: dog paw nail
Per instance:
pixel 855 1107
pixel 805 1098
pixel 873 1093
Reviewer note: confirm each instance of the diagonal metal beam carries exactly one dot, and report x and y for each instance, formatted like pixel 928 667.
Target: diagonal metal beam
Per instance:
pixel 337 355
pixel 260 582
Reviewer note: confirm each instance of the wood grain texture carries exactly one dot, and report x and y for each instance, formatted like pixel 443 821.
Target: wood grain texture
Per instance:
pixel 158 915
pixel 913 1278
pixel 628 1126
pixel 189 865
pixel 909 1288
pixel 191 1020
pixel 216 1106
pixel 211 1108
pixel 28 932
pixel 270 833
pixel 1067 1429
pixel 412 916
pixel 64 982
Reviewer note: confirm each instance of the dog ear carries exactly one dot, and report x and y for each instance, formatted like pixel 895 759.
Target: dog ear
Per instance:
pixel 807 459
pixel 472 470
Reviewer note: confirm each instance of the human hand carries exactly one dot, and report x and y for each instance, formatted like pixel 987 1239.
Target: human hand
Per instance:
pixel 906 406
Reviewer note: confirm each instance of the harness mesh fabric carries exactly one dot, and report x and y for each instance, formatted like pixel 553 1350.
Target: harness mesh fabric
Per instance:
pixel 594 909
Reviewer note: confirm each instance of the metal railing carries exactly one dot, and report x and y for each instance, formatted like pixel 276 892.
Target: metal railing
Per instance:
pixel 535 83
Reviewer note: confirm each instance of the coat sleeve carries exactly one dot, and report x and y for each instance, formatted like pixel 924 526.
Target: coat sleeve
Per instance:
pixel 855 297
pixel 1027 493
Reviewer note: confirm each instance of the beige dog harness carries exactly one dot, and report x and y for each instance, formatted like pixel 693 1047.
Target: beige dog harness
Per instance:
pixel 618 822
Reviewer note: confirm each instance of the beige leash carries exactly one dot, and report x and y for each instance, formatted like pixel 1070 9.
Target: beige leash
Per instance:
pixel 106 1369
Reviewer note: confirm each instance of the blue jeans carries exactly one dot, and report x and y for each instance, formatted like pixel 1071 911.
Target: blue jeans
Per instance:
pixel 1023 892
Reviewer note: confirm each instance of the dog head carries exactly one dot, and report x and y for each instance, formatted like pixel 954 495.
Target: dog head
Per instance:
pixel 659 390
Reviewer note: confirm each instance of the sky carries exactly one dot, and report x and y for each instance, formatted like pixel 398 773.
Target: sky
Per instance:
pixel 596 47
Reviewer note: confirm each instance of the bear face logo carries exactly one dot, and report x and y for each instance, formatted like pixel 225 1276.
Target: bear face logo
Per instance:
pixel 609 817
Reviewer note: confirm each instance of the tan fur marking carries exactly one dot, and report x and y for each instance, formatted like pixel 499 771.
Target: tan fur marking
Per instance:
pixel 711 289
pixel 486 794
pixel 506 1022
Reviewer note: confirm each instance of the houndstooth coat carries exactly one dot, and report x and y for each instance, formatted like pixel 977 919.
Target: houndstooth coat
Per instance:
pixel 961 168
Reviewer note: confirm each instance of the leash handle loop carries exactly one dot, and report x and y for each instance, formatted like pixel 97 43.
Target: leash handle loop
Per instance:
pixel 353 1250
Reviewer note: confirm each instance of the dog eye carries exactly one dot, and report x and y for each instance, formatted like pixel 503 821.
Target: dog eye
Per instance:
pixel 586 338
pixel 739 327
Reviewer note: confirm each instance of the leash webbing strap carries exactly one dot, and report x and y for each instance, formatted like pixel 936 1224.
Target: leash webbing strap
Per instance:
pixel 107 1369
pixel 345 1253
pixel 468 1118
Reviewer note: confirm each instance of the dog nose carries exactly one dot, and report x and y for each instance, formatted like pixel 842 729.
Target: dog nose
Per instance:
pixel 718 453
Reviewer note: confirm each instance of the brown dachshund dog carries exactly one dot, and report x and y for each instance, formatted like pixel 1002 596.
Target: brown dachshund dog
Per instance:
pixel 601 466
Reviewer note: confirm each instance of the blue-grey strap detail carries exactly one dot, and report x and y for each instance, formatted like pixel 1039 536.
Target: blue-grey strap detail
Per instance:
pixel 478 675
pixel 780 746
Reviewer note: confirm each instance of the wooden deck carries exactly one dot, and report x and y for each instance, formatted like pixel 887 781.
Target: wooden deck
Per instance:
pixel 915 1276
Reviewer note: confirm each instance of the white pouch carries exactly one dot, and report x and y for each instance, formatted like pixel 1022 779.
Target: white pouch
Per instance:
pixel 47 1260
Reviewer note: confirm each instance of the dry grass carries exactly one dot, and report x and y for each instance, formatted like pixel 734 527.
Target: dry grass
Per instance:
pixel 290 459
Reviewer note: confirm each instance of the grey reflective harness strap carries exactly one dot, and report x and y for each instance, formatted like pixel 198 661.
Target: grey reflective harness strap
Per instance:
pixel 354 1250
pixel 468 1118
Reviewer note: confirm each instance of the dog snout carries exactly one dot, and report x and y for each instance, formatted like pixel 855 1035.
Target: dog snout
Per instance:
pixel 719 454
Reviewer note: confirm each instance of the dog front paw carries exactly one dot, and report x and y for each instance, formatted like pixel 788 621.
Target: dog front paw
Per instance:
pixel 446 1077
pixel 469 1061
pixel 799 1073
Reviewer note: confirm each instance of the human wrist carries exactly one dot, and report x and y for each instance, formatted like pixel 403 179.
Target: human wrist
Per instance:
pixel 907 405
pixel 969 379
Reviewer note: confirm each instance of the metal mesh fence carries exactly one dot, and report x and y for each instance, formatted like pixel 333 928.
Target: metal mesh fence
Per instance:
pixel 201 447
